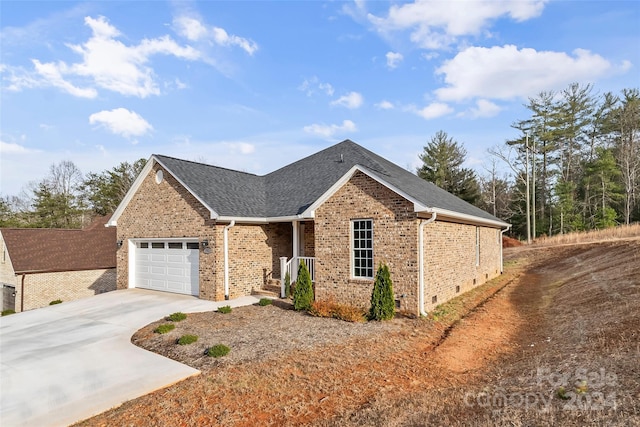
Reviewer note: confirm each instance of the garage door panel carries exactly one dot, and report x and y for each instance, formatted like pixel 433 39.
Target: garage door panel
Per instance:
pixel 179 259
pixel 168 269
pixel 175 272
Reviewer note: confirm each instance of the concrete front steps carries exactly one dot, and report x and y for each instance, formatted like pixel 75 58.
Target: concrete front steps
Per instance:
pixel 271 289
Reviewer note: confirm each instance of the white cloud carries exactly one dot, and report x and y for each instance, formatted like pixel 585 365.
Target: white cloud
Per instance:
pixel 385 105
pixel 311 85
pixel 352 100
pixel 431 111
pixel 190 28
pixel 194 30
pixel 121 121
pixel 106 63
pixel 241 147
pixel 394 59
pixel 329 130
pixel 52 74
pixel 484 108
pixel 13 148
pixel 436 24
pixel 508 72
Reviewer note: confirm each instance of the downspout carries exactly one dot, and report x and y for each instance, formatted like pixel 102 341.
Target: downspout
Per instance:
pixel 225 238
pixel 22 294
pixel 501 257
pixel 421 262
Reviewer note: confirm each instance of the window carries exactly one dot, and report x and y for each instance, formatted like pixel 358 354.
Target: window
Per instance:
pixel 157 245
pixel 175 245
pixel 192 245
pixel 144 245
pixel 362 230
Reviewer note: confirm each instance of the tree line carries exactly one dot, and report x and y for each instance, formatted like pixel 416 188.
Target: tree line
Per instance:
pixel 66 198
pixel 574 166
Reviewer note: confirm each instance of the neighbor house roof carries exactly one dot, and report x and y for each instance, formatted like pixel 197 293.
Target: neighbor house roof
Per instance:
pixel 40 250
pixel 291 190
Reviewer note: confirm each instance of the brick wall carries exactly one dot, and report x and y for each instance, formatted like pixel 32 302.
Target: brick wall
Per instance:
pixel 309 238
pixel 168 210
pixel 254 255
pixel 449 248
pixel 42 288
pixel 394 242
pixel 450 260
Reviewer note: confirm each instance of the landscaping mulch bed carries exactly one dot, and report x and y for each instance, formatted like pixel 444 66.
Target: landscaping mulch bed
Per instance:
pixel 255 333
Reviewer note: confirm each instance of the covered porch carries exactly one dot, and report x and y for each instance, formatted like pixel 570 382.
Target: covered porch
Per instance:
pixel 303 251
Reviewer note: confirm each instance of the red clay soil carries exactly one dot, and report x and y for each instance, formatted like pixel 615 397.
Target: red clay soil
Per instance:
pixel 543 313
pixel 510 242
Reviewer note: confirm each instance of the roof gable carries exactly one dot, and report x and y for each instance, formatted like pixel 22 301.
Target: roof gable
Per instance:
pixel 290 191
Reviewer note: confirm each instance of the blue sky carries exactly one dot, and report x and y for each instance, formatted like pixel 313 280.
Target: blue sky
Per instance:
pixel 254 86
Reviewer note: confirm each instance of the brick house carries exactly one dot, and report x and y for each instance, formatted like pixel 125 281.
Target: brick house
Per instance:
pixel 40 265
pixel 216 233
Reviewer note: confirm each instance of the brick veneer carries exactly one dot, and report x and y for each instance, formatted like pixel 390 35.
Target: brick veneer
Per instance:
pixel 168 210
pixel 42 288
pixel 394 242
pixel 450 248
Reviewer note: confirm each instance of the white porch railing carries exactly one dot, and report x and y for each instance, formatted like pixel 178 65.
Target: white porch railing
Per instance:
pixel 291 266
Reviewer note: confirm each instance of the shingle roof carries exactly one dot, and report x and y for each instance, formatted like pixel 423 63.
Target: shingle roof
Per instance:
pixel 228 192
pixel 288 191
pixel 47 250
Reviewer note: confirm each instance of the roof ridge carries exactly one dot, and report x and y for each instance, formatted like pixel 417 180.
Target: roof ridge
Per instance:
pixel 207 165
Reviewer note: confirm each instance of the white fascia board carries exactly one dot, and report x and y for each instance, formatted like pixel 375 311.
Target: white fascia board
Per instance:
pixel 310 211
pixel 113 221
pixel 261 220
pixel 471 219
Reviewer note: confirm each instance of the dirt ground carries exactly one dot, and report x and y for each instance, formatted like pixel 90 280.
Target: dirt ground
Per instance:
pixel 552 341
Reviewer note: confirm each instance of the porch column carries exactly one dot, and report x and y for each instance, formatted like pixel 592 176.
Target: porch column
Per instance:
pixel 296 239
pixel 283 273
pixel 296 236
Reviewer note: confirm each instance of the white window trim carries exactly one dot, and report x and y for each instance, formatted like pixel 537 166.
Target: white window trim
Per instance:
pixel 352 250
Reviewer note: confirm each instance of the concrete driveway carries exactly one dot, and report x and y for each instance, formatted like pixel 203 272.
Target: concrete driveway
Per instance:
pixel 67 362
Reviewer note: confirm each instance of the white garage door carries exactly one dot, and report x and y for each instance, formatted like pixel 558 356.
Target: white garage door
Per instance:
pixel 167 266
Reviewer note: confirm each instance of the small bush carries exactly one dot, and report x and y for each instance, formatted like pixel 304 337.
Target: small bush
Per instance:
pixel 54 302
pixel 226 309
pixel 322 308
pixel 187 339
pixel 287 285
pixel 163 329
pixel 265 301
pixel 176 317
pixel 218 350
pixel 8 312
pixel 303 292
pixel 383 307
pixel 330 308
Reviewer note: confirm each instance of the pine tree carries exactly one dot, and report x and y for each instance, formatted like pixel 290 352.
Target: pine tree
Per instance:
pixel 382 303
pixel 442 165
pixel 303 292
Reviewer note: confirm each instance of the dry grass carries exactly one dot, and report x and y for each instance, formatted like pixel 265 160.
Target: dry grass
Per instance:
pixel 333 309
pixel 613 233
pixel 496 355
